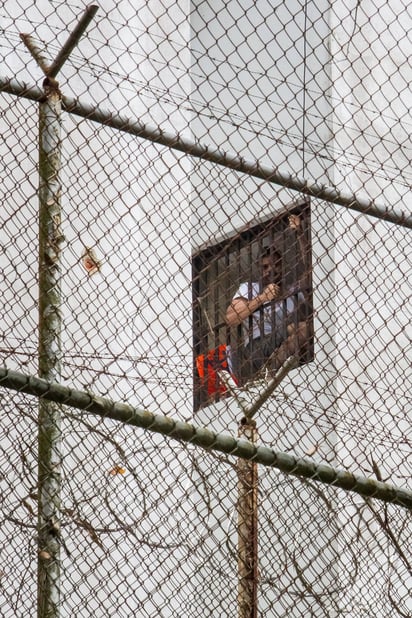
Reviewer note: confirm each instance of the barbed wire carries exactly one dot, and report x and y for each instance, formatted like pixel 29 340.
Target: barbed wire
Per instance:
pixel 250 125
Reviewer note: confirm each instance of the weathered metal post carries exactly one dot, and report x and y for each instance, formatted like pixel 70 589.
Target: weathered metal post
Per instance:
pixel 49 436
pixel 247 506
pixel 247 528
pixel 49 348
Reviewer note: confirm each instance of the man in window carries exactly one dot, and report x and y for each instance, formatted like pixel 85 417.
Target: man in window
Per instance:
pixel 274 319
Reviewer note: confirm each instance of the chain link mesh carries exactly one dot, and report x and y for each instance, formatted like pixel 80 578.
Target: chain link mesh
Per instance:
pixel 156 242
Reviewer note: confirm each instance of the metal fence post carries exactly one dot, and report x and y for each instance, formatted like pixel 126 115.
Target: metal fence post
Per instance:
pixel 247 527
pixel 49 436
pixel 49 350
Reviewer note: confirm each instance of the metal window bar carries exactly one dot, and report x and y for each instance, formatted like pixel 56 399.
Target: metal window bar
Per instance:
pixel 248 248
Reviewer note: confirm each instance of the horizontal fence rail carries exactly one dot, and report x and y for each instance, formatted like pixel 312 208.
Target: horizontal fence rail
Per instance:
pixel 205 438
pixel 217 156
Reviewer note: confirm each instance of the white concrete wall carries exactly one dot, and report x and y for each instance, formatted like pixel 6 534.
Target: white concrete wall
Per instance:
pixel 267 110
pixel 370 47
pixel 349 401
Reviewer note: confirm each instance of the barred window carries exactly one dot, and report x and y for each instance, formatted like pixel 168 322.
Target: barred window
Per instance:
pixel 246 338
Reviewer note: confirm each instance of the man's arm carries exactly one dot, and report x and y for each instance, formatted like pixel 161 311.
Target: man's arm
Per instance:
pixel 240 308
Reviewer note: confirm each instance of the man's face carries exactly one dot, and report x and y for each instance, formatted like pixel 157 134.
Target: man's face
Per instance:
pixel 271 271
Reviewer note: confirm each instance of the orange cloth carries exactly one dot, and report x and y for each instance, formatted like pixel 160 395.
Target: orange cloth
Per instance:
pixel 207 364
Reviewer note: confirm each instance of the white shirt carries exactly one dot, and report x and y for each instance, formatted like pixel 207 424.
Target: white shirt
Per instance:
pixel 275 313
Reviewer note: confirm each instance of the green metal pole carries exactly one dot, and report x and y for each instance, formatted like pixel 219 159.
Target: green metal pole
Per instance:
pixel 49 432
pixel 320 472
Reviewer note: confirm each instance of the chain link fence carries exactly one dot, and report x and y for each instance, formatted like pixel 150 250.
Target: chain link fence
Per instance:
pixel 194 141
